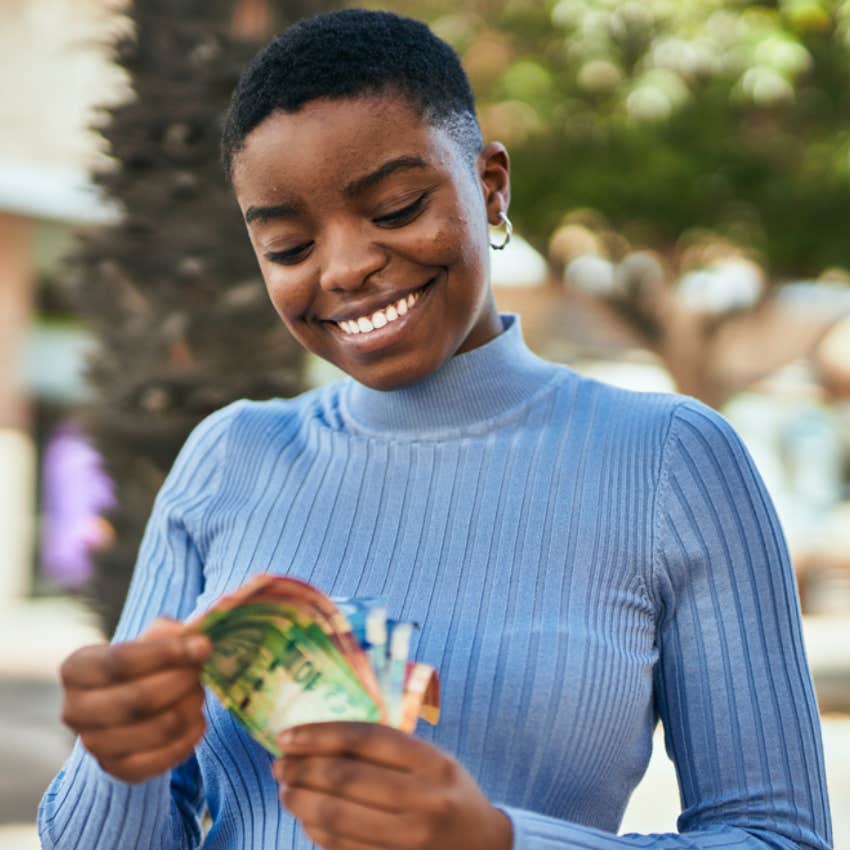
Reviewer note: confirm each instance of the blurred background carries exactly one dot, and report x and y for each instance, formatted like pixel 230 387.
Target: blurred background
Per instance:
pixel 681 190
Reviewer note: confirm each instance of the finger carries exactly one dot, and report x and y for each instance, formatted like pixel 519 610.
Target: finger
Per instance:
pixel 154 733
pixel 105 664
pixel 142 765
pixel 341 818
pixel 366 741
pixel 351 779
pixel 127 703
pixel 328 841
pixel 164 628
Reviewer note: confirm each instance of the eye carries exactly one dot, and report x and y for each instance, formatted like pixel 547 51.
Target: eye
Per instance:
pixel 404 215
pixel 290 257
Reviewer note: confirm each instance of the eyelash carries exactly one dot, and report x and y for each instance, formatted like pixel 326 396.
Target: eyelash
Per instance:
pixel 396 219
pixel 403 215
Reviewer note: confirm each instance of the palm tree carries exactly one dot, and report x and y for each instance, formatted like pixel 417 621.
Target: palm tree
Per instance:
pixel 171 290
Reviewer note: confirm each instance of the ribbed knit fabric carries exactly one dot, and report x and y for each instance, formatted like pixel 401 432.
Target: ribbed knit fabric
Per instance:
pixel 584 560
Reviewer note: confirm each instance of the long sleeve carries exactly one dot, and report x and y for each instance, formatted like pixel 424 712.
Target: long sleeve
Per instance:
pixel 732 686
pixel 85 808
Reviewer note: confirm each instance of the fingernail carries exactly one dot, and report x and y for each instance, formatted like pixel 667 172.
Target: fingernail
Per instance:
pixel 197 647
pixel 286 738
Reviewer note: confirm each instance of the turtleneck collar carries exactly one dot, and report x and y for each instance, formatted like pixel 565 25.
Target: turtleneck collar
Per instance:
pixel 467 392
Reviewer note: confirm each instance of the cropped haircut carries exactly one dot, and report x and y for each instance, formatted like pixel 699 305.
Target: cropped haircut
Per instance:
pixel 347 53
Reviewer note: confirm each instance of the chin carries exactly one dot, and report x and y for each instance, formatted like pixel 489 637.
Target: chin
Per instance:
pixel 387 380
pixel 387 383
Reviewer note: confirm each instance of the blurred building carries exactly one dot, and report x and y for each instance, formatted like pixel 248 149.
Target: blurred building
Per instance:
pixel 55 71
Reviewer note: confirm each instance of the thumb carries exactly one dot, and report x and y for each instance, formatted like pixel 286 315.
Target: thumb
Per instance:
pixel 168 629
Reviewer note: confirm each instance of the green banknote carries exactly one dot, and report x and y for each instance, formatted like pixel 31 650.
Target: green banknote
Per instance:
pixel 273 668
pixel 285 654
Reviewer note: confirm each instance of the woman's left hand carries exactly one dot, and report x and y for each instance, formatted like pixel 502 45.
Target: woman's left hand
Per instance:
pixel 362 786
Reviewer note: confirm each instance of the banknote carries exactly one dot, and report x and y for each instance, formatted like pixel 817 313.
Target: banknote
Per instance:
pixel 367 616
pixel 274 669
pixel 293 592
pixel 410 689
pixel 395 671
pixel 421 696
pixel 285 654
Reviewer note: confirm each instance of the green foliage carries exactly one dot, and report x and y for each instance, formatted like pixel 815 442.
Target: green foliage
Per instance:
pixel 667 115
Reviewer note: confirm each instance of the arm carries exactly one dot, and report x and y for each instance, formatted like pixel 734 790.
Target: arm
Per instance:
pixel 732 684
pixel 86 808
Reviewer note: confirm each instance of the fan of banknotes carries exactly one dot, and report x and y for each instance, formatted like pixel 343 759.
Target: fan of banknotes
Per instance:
pixel 284 654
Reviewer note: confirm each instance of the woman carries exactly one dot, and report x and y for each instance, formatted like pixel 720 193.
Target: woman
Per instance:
pixel 584 560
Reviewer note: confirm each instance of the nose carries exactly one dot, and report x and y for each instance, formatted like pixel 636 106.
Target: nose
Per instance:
pixel 348 256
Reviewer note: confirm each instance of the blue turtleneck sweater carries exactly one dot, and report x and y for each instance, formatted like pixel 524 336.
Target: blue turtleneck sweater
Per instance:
pixel 585 561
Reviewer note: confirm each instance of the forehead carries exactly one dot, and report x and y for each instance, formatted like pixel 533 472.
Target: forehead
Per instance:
pixel 331 140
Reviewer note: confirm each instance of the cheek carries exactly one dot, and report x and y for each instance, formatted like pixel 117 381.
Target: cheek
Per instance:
pixel 289 291
pixel 291 294
pixel 465 255
pixel 452 241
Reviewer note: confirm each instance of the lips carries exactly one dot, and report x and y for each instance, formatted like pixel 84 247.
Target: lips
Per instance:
pixel 366 308
pixel 372 341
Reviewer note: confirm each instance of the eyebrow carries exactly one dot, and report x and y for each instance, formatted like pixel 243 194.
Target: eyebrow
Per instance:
pixel 359 186
pixel 291 209
pixel 294 209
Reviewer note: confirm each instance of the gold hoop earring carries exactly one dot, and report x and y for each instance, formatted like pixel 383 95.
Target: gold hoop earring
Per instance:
pixel 509 229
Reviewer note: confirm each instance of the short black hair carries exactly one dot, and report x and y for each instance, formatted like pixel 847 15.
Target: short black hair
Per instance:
pixel 347 53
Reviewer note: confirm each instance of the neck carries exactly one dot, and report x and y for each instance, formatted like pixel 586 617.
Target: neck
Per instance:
pixel 469 391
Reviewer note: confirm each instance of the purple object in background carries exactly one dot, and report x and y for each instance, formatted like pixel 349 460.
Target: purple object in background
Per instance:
pixel 77 492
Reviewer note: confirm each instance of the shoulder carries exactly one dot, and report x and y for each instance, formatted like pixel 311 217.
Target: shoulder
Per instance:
pixel 645 419
pixel 229 445
pixel 704 461
pixel 257 421
pixel 712 506
pixel 702 443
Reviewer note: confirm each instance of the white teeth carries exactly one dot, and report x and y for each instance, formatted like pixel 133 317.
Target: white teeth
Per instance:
pixel 380 317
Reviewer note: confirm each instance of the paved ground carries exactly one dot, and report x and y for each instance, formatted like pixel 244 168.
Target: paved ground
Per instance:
pixel 34 744
pixel 36 636
pixel 32 747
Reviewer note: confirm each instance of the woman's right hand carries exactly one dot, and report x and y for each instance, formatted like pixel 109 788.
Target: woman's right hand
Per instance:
pixel 137 706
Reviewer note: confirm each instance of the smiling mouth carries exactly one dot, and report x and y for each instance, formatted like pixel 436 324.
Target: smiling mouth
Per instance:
pixel 393 312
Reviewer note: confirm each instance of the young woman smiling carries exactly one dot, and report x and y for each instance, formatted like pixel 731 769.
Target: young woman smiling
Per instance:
pixel 584 560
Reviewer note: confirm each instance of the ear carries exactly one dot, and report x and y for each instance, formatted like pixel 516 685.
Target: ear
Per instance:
pixel 494 171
